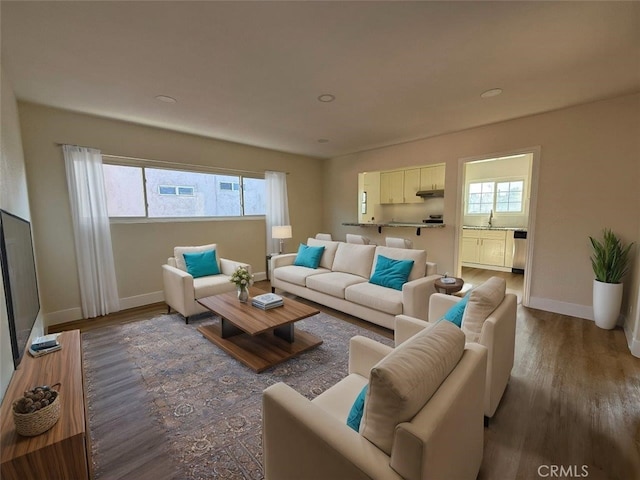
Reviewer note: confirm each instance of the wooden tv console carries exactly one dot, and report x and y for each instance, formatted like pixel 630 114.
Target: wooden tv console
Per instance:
pixel 64 451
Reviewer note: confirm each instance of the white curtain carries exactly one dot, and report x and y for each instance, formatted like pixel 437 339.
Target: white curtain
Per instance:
pixel 92 233
pixel 277 205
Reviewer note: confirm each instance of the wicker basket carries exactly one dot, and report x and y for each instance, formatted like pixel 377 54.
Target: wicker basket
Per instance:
pixel 32 424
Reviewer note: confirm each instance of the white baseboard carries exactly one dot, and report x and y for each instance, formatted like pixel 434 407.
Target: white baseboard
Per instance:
pixel 72 314
pixel 564 308
pixel 140 300
pixel 62 316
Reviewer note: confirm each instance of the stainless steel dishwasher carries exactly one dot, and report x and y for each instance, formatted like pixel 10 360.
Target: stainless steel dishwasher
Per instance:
pixel 519 251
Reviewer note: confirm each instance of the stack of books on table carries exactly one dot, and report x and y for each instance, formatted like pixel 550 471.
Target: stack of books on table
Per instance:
pixel 267 301
pixel 43 345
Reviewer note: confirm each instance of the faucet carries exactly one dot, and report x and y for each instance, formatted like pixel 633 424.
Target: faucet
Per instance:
pixel 491 218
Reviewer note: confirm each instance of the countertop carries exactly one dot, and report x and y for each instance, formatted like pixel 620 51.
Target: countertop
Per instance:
pixel 474 227
pixel 395 224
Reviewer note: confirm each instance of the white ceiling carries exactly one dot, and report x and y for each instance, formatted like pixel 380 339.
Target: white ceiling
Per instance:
pixel 251 72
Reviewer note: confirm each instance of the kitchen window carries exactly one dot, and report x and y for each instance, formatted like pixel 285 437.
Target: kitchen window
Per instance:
pixel 499 197
pixel 146 192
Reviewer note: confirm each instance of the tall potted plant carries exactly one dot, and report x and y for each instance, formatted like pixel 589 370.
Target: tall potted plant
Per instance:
pixel 610 262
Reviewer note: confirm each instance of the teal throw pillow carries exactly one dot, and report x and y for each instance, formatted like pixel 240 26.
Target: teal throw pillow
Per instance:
pixel 455 313
pixel 308 256
pixel 201 264
pixel 357 409
pixel 391 273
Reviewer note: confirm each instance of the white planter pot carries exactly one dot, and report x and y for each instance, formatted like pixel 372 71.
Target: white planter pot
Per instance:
pixel 607 299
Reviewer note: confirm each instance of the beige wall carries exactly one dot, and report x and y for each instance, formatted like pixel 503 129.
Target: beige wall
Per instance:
pixel 13 198
pixel 140 248
pixel 588 180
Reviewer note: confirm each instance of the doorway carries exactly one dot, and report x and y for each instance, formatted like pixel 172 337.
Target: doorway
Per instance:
pixel 496 219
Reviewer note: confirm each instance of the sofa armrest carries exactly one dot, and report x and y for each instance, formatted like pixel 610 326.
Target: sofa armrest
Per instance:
pixel 364 353
pixel 406 327
pixel 301 440
pixel 498 335
pixel 227 267
pixel 178 288
pixel 415 296
pixel 450 423
pixel 282 260
pixel 439 304
pixel 432 269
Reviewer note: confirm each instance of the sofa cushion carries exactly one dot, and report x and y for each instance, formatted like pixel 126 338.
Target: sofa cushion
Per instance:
pixel 297 275
pixel 376 297
pixel 354 258
pixel 419 258
pixel 391 273
pixel 212 285
pixel 201 264
pixel 404 381
pixel 333 283
pixel 483 300
pixel 308 256
pixel 179 251
pixel 329 251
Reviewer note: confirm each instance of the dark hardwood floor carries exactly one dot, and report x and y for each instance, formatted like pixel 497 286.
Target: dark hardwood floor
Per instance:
pixel 572 406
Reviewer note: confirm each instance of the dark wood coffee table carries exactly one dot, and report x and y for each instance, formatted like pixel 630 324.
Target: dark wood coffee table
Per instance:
pixel 258 338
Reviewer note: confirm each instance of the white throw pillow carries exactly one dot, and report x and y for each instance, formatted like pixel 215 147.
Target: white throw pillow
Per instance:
pixel 178 253
pixel 329 253
pixel 354 258
pixel 483 300
pixel 404 381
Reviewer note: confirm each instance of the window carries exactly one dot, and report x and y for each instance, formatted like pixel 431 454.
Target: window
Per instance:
pixel 509 196
pixel 501 197
pixel 175 190
pixel 229 186
pixel 166 193
pixel 480 197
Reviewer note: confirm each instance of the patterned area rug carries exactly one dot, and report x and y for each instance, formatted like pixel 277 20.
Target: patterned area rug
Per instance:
pixel 207 403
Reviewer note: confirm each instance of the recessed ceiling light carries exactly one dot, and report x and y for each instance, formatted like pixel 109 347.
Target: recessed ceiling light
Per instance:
pixel 323 140
pixel 494 92
pixel 326 98
pixel 165 99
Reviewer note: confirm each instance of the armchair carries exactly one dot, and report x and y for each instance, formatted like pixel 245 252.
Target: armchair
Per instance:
pixel 181 290
pixel 432 429
pixel 495 330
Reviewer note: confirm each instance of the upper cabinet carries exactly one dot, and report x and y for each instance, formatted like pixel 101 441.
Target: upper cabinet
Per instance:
pixel 392 187
pixel 401 186
pixel 412 184
pixel 432 177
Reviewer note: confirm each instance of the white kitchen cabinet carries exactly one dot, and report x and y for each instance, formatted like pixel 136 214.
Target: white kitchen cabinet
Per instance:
pixel 484 247
pixel 432 177
pixel 392 187
pixel 412 185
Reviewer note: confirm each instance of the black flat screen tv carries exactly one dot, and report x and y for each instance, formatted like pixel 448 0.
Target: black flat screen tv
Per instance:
pixel 19 278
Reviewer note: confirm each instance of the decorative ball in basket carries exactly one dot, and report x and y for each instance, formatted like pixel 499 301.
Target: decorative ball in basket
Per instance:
pixel 37 411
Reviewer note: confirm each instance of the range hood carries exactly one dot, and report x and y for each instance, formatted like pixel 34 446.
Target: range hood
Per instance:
pixel 430 193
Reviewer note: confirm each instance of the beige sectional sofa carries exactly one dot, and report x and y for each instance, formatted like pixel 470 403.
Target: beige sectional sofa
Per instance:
pixel 341 281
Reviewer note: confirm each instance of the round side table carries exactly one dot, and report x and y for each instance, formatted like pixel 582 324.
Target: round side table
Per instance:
pixel 449 288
